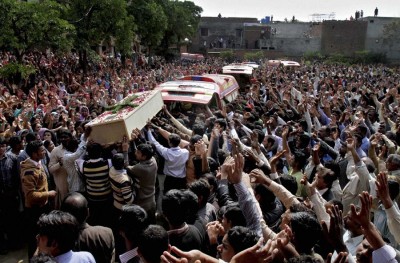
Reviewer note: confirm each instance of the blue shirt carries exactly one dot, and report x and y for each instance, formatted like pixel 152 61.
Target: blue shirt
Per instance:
pixel 175 158
pixel 365 144
pixel 75 257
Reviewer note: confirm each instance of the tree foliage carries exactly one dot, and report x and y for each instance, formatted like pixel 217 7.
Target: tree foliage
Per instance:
pixel 12 70
pixel 84 25
pixel 97 20
pixel 28 26
pixel 254 56
pixel 151 21
pixel 183 21
pixel 227 55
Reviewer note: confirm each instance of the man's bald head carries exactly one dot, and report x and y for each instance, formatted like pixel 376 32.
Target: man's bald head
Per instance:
pixel 77 205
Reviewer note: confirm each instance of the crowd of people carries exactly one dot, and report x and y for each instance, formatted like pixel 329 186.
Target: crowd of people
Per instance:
pixel 303 166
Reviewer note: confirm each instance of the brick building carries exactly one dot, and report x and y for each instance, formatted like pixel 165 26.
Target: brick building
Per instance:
pixel 294 39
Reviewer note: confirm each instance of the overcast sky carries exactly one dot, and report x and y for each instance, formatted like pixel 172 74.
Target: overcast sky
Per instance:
pixel 301 9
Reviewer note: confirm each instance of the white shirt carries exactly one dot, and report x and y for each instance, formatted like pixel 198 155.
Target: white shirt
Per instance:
pixel 175 158
pixel 352 242
pixel 128 255
pixel 385 254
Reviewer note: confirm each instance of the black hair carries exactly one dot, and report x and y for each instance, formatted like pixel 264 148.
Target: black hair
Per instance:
pixel 267 196
pixel 13 141
pixel 146 150
pixel 199 129
pixel 64 132
pixel 174 139
pixel 46 144
pixel 77 205
pixel 171 206
pixel 42 258
pixel 133 221
pixel 234 214
pixel 229 105
pixel 60 227
pixel 195 138
pixel 33 147
pixel 118 161
pixel 221 122
pixel 2 140
pixel 202 189
pixel 53 136
pixel 290 183
pixel 337 203
pixel 211 179
pixel 190 204
pixel 304 259
pixel 393 189
pixel 304 140
pixel 72 145
pixel 241 238
pixel 152 243
pixel 329 177
pixel 306 231
pixel 212 164
pixel 94 150
pixel 334 167
pixel 30 137
pixel 300 159
pixel 363 130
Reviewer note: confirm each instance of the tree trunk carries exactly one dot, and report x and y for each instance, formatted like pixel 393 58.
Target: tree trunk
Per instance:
pixel 83 62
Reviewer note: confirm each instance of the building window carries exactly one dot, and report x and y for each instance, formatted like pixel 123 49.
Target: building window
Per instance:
pixel 204 32
pixel 238 33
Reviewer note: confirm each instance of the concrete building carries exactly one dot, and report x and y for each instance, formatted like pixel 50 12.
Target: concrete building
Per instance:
pixel 293 39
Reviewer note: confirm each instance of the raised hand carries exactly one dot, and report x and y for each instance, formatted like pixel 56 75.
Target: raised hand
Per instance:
pixel 276 157
pixel 125 144
pixel 200 148
pixel 214 230
pixel 183 257
pixel 227 167
pixel 350 144
pixel 341 258
pixel 236 176
pixel 257 253
pixel 257 176
pixel 285 131
pixel 334 234
pixel 215 133
pixel 363 216
pixel 382 190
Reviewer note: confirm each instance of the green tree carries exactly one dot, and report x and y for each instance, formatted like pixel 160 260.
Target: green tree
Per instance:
pixel 151 21
pixel 254 56
pixel 227 55
pixel 28 26
pixel 183 20
pixel 97 21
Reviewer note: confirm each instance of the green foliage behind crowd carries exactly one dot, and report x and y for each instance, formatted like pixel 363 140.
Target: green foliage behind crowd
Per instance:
pixel 83 25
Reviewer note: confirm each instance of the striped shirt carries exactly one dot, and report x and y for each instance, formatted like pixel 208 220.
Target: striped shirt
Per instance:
pixel 121 185
pixel 98 186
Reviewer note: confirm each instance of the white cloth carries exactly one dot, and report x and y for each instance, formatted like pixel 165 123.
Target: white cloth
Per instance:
pixel 385 254
pixel 393 221
pixel 128 255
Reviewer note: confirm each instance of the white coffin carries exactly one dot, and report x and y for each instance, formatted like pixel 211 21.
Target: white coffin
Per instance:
pixel 110 127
